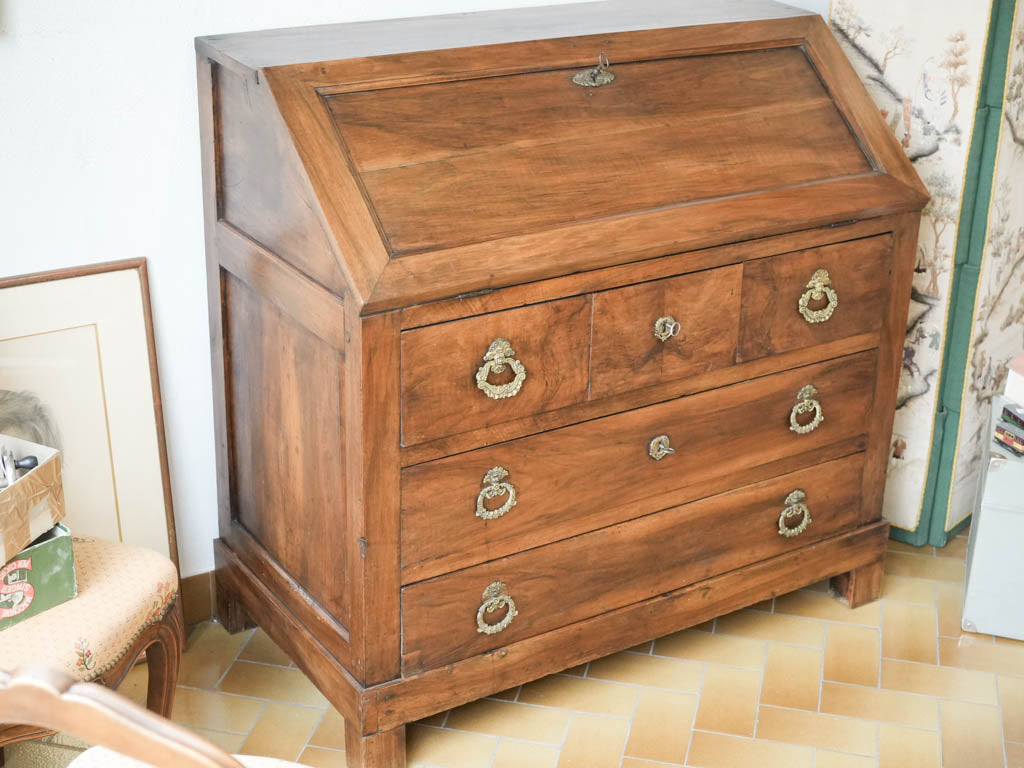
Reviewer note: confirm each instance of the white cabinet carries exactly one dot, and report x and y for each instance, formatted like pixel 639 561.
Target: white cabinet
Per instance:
pixel 994 593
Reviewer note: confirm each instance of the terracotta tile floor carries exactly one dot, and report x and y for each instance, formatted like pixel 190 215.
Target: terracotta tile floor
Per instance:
pixel 796 682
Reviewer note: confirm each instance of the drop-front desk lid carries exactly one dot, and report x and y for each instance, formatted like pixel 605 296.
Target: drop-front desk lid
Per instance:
pixel 544 152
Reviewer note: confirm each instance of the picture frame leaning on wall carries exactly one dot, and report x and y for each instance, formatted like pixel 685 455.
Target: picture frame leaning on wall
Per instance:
pixel 78 371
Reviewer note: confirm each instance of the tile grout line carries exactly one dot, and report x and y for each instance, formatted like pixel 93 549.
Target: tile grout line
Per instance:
pixel 565 734
pixel 696 709
pixel 999 708
pixel 247 697
pixel 629 728
pixel 760 690
pixel 312 733
pixel 494 752
pixel 516 739
pixel 263 711
pixel 216 686
pixel 821 677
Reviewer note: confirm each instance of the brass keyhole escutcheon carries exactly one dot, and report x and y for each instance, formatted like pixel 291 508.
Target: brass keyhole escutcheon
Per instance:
pixel 666 327
pixel 660 447
pixel 597 76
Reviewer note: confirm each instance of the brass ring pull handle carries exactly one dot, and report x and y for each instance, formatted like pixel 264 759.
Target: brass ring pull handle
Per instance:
pixel 820 287
pixel 495 598
pixel 660 447
pixel 666 327
pixel 499 355
pixel 805 403
pixel 794 506
pixel 494 486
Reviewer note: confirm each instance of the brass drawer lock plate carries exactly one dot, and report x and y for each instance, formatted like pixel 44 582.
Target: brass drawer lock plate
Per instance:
pixel 666 327
pixel 596 77
pixel 660 447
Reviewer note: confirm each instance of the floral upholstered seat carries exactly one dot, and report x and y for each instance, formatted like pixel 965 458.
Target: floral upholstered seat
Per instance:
pixel 122 590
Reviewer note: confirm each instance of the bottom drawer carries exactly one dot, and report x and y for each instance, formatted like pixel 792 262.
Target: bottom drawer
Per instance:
pixel 467 612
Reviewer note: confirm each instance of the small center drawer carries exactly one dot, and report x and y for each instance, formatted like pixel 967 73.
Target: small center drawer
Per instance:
pixel 491 502
pixel 490 605
pixel 664 330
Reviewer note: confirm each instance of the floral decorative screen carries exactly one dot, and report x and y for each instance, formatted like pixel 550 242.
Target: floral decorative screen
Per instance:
pixel 922 63
pixel 997 330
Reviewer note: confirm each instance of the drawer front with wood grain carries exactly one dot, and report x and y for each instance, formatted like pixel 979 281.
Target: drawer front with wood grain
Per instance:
pixel 483 504
pixel 492 368
pixel 494 604
pixel 663 330
pixel 815 296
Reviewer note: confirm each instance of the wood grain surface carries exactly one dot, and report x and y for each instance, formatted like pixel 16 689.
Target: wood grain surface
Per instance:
pixel 626 354
pixel 570 480
pixel 439 365
pixel 770 323
pixel 598 572
pixel 535 150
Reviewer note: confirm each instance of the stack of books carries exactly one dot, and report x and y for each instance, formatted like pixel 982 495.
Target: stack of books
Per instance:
pixel 1009 430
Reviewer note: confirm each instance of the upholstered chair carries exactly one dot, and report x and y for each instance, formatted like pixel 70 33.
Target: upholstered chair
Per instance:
pixel 127 604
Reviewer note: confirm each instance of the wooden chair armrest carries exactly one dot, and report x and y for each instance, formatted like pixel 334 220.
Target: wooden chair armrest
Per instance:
pixel 46 698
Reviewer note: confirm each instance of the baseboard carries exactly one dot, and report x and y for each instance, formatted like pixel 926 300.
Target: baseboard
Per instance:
pixel 197 598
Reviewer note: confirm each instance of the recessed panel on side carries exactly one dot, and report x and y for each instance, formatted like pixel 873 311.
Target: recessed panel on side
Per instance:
pixel 286 446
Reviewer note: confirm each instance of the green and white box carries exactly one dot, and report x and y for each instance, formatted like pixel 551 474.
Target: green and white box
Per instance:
pixel 39 577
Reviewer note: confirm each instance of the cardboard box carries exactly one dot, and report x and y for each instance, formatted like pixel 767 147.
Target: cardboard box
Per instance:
pixel 39 577
pixel 34 503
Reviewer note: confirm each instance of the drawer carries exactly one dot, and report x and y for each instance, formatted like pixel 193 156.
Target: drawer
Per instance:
pixel 846 287
pixel 543 367
pixel 575 479
pixel 445 619
pixel 664 330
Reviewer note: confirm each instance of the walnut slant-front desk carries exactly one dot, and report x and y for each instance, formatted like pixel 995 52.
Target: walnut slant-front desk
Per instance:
pixel 542 333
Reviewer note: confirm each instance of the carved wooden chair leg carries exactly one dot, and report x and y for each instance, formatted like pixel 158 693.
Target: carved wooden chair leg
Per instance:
pixel 163 658
pixel 163 643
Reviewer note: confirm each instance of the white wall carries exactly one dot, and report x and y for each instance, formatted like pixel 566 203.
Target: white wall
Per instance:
pixel 99 160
